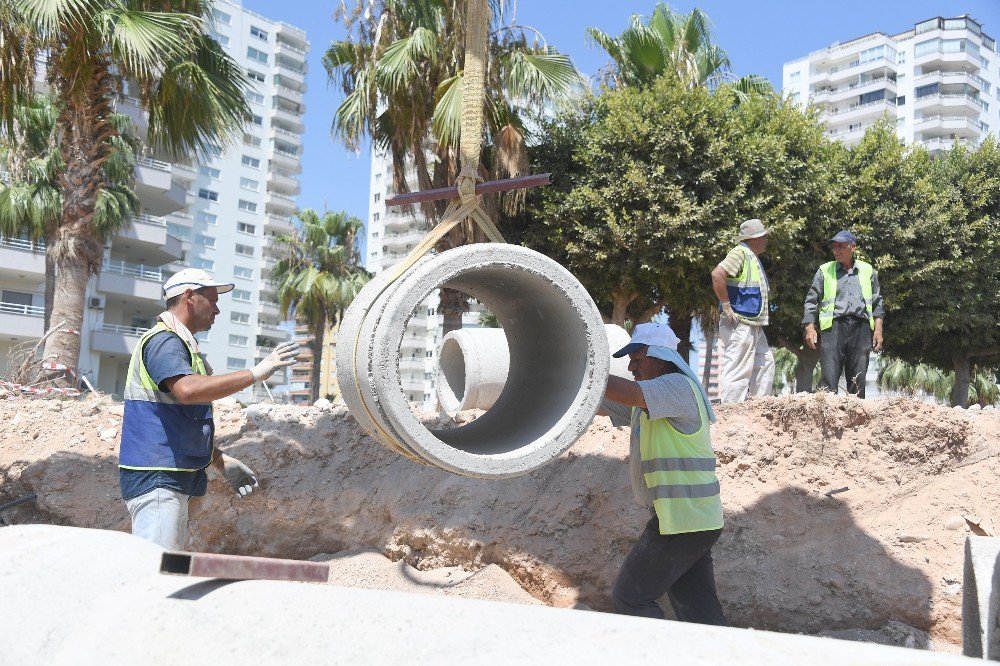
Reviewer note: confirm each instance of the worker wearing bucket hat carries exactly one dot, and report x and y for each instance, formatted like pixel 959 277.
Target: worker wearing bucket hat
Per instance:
pixel 167 428
pixel 672 470
pixel 747 367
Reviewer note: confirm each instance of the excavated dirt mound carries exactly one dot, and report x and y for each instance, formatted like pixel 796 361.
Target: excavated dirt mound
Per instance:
pixel 879 560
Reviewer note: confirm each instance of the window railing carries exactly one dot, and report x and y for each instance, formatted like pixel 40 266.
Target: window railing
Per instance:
pixel 295 70
pixel 291 48
pixel 275 195
pixel 160 165
pixel 23 244
pixel 21 309
pixel 855 107
pixel 287 153
pixel 976 100
pixel 280 130
pixel 154 220
pixel 133 270
pixel 927 119
pixel 135 331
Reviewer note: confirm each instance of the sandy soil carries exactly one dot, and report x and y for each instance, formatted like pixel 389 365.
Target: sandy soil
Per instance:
pixel 881 560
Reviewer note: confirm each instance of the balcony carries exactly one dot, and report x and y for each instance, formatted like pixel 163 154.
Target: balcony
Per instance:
pixel 155 186
pixel 282 181
pixel 950 78
pixel 116 338
pixel 856 112
pixel 961 126
pixel 289 160
pixel 131 280
pixel 856 68
pixel 289 76
pixel 147 237
pixel 946 101
pixel 939 145
pixel 291 53
pixel 270 310
pixel 288 118
pixel 279 225
pixel 289 34
pixel 936 59
pixel 400 240
pixel 286 136
pixel 20 257
pixel 271 331
pixel 132 107
pixel 857 89
pixel 291 95
pixel 279 203
pixel 23 322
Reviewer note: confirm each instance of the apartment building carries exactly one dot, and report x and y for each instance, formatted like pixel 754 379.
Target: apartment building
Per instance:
pixel 300 381
pixel 390 234
pixel 937 82
pixel 219 213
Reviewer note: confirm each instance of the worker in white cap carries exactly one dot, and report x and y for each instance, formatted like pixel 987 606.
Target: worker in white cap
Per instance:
pixel 167 429
pixel 747 367
pixel 672 470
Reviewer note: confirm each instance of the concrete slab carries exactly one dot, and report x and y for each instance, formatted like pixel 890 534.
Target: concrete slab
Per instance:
pixel 981 598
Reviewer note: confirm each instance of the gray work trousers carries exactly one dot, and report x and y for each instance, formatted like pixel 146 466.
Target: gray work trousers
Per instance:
pixel 678 565
pixel 844 349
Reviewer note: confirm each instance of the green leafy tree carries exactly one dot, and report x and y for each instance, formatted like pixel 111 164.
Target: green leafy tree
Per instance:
pixel 318 276
pixel 31 201
pixel 92 51
pixel 401 71
pixel 669 42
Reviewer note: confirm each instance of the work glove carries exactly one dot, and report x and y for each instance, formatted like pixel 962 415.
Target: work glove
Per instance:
pixel 241 478
pixel 283 355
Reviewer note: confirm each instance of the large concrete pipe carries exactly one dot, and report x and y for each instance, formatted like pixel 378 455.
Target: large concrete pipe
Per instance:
pixel 472 368
pixel 75 596
pixel 981 598
pixel 558 360
pixel 473 365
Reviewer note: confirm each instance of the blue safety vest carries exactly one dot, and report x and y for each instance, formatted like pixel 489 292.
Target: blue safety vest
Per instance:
pixel 158 432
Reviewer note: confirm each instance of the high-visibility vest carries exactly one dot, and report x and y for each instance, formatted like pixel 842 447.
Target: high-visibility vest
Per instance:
pixel 158 432
pixel 829 269
pixel 679 471
pixel 748 290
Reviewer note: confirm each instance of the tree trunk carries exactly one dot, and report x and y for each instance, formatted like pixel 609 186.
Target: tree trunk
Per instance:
pixel 72 272
pixel 808 358
pixel 50 283
pixel 316 346
pixel 681 325
pixel 963 374
pixel 711 340
pixel 619 306
pixel 453 305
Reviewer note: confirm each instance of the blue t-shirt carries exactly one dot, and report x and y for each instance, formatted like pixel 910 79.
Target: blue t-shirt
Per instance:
pixel 165 356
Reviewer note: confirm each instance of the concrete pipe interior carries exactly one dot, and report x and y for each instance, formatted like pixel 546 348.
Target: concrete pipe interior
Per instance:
pixel 548 360
pixel 473 366
pixel 452 387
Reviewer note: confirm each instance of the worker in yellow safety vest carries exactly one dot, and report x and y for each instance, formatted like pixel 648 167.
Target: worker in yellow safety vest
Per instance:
pixel 672 469
pixel 167 428
pixel 846 300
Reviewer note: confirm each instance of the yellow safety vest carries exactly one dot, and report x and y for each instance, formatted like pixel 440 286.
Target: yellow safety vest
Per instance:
pixel 748 291
pixel 679 470
pixel 826 306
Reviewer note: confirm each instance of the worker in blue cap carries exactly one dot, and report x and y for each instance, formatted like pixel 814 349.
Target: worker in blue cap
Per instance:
pixel 672 469
pixel 846 300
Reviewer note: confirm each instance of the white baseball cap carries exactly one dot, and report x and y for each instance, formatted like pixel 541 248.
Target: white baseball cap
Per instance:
pixel 651 334
pixel 192 278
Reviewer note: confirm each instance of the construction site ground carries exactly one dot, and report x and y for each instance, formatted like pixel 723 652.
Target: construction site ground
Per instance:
pixel 878 560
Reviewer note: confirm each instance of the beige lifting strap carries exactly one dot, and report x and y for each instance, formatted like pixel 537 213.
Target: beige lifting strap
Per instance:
pixel 468 205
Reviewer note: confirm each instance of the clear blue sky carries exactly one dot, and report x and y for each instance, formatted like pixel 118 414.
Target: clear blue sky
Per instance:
pixel 758 36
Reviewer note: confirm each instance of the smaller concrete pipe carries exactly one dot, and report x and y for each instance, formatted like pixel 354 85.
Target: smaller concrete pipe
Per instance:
pixel 472 368
pixel 473 365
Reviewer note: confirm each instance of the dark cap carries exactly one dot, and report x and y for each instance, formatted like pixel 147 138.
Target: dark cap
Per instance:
pixel 844 236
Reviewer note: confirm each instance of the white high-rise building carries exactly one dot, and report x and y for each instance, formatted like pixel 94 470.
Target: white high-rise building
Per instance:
pixel 220 214
pixel 937 82
pixel 390 234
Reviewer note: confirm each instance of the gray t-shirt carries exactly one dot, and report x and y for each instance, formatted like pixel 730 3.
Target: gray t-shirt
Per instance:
pixel 668 397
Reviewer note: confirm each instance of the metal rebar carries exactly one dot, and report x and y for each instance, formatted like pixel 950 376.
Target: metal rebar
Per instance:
pixel 505 185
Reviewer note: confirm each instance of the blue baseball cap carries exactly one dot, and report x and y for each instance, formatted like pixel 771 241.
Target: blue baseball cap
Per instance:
pixel 844 236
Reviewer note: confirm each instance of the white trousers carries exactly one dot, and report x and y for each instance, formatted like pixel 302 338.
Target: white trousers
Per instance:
pixel 747 362
pixel 161 516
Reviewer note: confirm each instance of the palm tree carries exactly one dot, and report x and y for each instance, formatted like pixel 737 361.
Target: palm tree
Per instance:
pixel 31 201
pixel 676 43
pixel 921 380
pixel 401 73
pixel 90 51
pixel 318 276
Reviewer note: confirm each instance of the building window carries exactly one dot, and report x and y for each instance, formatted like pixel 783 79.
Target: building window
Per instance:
pixel 222 39
pixel 236 363
pixel 239 317
pixel 222 17
pixel 251 140
pixel 242 295
pixel 243 272
pixel 212 173
pixel 207 241
pixel 255 76
pixel 258 33
pixel 238 340
pixel 245 228
pixel 210 195
pixel 251 162
pixel 208 218
pixel 248 206
pixel 255 97
pixel 795 76
pixel 374 217
pixel 257 120
pixel 250 184
pixel 206 264
pixel 254 54
pixel 245 250
pixel 374 235
pixel 178 230
pixel 378 196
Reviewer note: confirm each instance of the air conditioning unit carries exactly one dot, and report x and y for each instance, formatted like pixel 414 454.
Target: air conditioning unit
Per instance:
pixel 96 303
